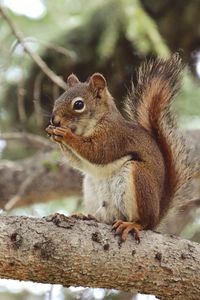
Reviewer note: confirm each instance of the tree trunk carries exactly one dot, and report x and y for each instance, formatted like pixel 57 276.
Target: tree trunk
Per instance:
pixel 69 251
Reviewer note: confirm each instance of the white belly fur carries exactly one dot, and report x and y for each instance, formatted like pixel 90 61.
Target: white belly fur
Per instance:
pixel 111 184
pixel 113 196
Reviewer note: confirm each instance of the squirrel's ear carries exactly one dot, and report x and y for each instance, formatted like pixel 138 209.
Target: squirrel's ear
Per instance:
pixel 97 82
pixel 72 80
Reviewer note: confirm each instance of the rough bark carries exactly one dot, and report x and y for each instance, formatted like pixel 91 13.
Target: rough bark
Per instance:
pixel 67 251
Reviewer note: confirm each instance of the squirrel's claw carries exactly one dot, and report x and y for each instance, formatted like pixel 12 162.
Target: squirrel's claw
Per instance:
pixel 59 131
pixel 124 228
pixel 49 130
pixel 50 133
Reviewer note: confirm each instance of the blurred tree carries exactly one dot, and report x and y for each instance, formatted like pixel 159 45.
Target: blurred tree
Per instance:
pixel 111 37
pixel 94 44
pixel 179 24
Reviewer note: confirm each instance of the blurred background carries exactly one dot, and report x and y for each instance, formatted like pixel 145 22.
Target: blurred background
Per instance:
pixel 109 36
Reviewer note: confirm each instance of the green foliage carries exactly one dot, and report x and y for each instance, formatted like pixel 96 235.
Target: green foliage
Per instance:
pixel 106 20
pixel 64 206
pixel 112 37
pixel 142 30
pixel 15 150
pixel 188 104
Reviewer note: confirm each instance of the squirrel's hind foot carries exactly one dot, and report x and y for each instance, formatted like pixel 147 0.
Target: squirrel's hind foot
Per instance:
pixel 123 228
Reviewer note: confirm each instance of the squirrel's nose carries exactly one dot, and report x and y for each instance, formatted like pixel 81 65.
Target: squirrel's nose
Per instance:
pixel 55 120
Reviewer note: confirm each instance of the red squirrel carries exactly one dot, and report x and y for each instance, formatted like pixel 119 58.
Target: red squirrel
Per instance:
pixel 133 166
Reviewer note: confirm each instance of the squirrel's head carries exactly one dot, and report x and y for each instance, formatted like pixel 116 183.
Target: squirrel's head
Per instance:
pixel 83 104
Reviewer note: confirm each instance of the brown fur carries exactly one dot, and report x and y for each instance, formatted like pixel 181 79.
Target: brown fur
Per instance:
pixel 148 197
pixel 101 136
pixel 150 104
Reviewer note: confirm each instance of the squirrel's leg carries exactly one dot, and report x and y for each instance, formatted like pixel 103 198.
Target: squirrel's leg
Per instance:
pixel 147 198
pixel 81 145
pixel 92 148
pixel 148 193
pixel 64 135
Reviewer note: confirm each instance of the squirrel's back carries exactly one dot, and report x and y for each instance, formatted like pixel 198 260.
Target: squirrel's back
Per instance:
pixel 149 104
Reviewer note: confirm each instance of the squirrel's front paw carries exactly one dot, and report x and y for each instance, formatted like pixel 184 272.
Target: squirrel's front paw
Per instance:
pixel 49 130
pixel 57 134
pixel 50 133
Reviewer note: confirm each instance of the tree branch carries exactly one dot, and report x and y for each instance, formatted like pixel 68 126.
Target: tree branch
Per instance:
pixel 55 180
pixel 67 251
pixel 30 139
pixel 37 99
pixel 36 58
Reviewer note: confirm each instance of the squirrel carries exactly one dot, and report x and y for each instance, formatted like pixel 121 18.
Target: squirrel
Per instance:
pixel 134 164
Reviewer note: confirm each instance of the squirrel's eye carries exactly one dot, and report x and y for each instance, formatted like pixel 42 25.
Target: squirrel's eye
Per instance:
pixel 79 105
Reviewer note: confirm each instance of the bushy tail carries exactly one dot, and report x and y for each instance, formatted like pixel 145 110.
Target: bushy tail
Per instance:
pixel 150 105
